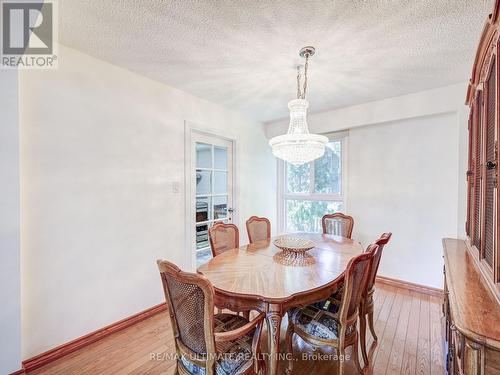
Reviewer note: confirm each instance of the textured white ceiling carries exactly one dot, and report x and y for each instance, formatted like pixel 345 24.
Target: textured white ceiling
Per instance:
pixel 242 54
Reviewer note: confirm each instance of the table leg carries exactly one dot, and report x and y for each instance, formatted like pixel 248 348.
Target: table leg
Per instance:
pixel 273 319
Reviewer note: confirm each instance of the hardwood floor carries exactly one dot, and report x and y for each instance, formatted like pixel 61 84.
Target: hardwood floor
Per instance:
pixel 409 326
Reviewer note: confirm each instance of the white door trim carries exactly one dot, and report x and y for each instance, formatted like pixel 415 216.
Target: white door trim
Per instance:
pixel 189 194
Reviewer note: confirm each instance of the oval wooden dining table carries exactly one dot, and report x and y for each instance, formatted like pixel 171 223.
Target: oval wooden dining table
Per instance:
pixel 258 277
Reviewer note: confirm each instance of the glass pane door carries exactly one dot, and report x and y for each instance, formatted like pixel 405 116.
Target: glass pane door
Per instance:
pixel 213 193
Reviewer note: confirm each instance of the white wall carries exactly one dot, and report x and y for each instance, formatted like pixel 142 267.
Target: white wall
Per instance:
pixel 403 179
pixel 100 149
pixel 406 166
pixel 10 277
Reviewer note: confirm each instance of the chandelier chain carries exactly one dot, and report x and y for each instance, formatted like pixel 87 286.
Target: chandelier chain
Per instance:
pixel 301 93
pixel 305 76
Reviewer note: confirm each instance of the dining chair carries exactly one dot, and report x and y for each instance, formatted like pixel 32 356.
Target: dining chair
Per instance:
pixel 366 308
pixel 223 237
pixel 335 328
pixel 367 305
pixel 207 343
pixel 258 229
pixel 338 224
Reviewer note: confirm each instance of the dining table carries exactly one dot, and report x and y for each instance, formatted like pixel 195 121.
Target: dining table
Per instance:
pixel 259 277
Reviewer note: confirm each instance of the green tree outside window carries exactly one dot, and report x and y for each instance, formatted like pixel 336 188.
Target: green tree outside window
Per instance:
pixel 305 214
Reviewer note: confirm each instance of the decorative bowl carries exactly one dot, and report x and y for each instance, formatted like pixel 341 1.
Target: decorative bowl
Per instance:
pixel 294 244
pixel 294 259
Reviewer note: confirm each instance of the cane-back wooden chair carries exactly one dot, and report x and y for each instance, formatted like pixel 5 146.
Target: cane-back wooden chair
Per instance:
pixel 258 229
pixel 338 224
pixel 223 237
pixel 334 325
pixel 367 305
pixel 220 344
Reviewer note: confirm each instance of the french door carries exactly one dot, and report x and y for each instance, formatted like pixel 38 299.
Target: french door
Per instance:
pixel 212 185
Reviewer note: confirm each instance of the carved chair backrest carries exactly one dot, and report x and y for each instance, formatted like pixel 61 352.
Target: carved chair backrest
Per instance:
pixel 258 229
pixel 381 242
pixel 338 224
pixel 190 302
pixel 355 280
pixel 223 237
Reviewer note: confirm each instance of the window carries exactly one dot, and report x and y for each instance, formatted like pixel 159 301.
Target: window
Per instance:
pixel 309 191
pixel 213 186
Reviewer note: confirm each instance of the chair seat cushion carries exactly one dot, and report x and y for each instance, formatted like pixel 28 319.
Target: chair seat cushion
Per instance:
pixel 234 357
pixel 318 323
pixel 332 304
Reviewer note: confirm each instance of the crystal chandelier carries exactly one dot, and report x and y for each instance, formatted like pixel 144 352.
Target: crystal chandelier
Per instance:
pixel 298 146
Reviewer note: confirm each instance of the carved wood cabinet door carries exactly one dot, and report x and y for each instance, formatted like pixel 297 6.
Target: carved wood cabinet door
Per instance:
pixel 483 219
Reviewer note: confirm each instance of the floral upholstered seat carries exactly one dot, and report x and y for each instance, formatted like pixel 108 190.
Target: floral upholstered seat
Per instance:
pixel 318 322
pixel 234 357
pixel 332 304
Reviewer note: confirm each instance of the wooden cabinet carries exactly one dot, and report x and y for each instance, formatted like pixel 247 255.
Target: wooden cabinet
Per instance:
pixel 472 315
pixel 483 219
pixel 472 267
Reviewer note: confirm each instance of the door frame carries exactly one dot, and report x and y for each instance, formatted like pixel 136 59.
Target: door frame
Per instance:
pixel 190 129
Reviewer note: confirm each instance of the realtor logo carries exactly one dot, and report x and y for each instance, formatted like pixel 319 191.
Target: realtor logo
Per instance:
pixel 28 34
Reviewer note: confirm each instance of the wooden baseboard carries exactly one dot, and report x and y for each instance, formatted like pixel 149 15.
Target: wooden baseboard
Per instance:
pixel 69 347
pixel 410 286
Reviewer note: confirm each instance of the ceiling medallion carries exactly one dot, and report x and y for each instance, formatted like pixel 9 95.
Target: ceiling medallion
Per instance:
pixel 298 146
